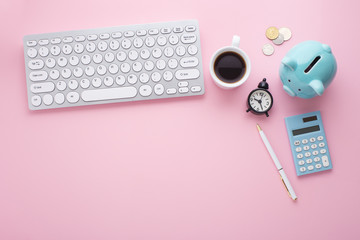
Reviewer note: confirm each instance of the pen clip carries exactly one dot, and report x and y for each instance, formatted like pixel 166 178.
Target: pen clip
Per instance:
pixel 285 186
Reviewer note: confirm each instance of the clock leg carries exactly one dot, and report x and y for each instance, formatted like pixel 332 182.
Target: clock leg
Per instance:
pixel 248 110
pixel 266 113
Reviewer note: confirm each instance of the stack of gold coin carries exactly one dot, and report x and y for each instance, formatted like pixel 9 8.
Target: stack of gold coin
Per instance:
pixel 277 36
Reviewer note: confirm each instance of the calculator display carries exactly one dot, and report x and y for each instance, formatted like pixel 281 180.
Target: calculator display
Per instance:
pixel 309 119
pixel 306 130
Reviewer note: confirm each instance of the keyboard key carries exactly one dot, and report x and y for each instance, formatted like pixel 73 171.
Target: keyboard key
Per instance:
pixel 42 87
pixel 320 138
pixel 32 52
pixel 43 42
pixel 298 149
pixel 108 94
pixel 178 29
pixel 188 38
pixel 183 84
pixel 61 85
pixel 36 100
pixel 145 90
pixel 302 169
pixel 322 151
pixel 80 38
pixel 153 31
pixel 129 34
pixel 108 81
pixel 301 162
pixel 190 28
pixel 55 41
pixel 96 82
pixel 59 98
pixel 195 88
pixel 300 155
pixel 38 76
pixel 43 51
pixel 189 62
pixel 141 32
pixel 187 74
pixel 165 30
pixel 68 39
pixel 31 43
pixel 92 37
pixel 173 39
pixel 116 35
pixel 72 97
pixel 183 90
pixel 150 41
pixel 311 167
pixel 54 74
pixel 312 139
pixel 85 83
pixel 48 99
pixel 192 49
pixel 318 165
pixel 309 160
pixel 104 36
pixel 36 64
pixel 73 84
pixel 171 91
pixel 126 43
pixel 304 141
pixel 316 159
pixel 55 50
pixel 159 89
pixel 50 62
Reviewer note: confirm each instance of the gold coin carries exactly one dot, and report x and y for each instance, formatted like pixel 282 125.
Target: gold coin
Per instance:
pixel 272 33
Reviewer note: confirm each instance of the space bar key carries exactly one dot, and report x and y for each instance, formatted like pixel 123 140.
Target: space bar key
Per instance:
pixel 108 94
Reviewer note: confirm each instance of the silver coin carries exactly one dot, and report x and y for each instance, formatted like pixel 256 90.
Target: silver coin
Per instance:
pixel 279 40
pixel 268 49
pixel 286 32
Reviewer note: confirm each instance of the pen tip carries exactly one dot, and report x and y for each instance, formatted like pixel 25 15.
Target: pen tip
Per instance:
pixel 258 127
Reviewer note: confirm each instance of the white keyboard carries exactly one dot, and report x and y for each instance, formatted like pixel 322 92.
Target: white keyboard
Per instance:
pixel 116 64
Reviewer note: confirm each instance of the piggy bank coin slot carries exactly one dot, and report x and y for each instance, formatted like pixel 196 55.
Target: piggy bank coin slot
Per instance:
pixel 312 64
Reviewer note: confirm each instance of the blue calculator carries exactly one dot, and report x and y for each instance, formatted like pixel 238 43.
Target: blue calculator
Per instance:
pixel 308 143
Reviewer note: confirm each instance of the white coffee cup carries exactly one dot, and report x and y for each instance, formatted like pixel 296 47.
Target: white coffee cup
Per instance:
pixel 234 48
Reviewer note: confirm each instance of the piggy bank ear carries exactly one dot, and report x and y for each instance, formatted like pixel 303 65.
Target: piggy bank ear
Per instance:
pixel 327 48
pixel 289 91
pixel 290 63
pixel 318 86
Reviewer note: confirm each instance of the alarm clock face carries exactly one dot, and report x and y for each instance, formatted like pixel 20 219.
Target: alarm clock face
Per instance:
pixel 260 100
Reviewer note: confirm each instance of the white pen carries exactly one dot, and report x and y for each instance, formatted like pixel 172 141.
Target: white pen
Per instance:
pixel 283 177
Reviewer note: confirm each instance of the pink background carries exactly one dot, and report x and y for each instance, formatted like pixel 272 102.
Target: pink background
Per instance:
pixel 192 168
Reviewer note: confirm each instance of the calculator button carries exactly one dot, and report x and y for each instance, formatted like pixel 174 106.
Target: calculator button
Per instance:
pixel 323 151
pixel 325 161
pixel 309 160
pixel 312 139
pixel 321 144
pixel 316 159
pixel 315 152
pixel 304 141
pixel 307 154
pixel 311 167
pixel 306 148
pixel 301 162
pixel 299 156
pixel 320 138
pixel 313 146
pixel 318 165
pixel 302 169
pixel 297 143
pixel 298 149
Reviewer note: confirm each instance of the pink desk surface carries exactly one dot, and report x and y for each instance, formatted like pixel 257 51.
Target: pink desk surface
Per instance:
pixel 179 169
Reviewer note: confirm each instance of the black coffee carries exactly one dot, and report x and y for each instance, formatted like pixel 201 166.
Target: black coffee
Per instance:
pixel 229 67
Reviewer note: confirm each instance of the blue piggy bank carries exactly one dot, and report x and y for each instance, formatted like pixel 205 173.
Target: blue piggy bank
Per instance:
pixel 307 69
